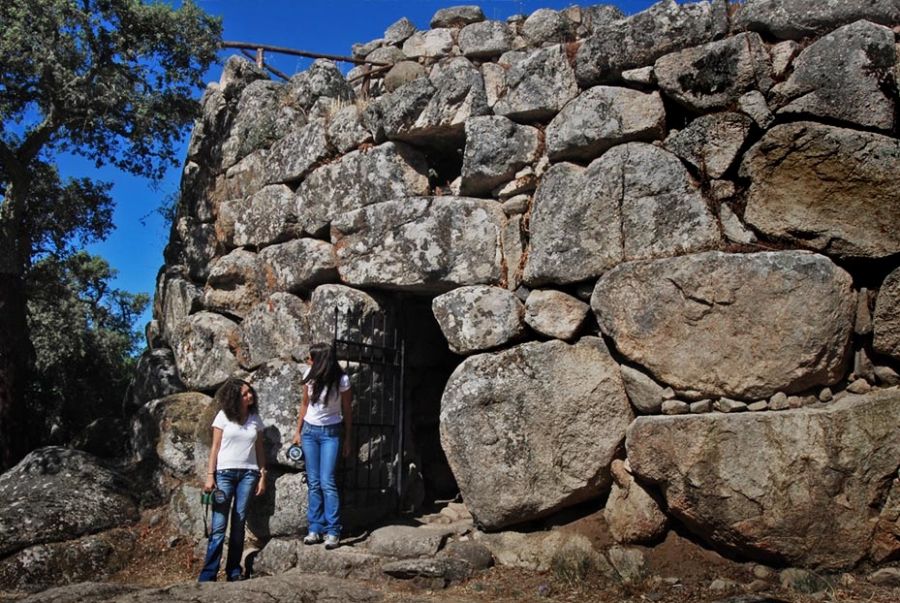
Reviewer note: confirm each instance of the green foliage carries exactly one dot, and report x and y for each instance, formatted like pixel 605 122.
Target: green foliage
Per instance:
pixel 83 333
pixel 112 80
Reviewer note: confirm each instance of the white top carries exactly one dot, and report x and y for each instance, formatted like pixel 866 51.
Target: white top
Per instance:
pixel 238 450
pixel 328 410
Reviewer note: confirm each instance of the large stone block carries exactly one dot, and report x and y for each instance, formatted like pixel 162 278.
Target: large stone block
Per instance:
pixel 741 326
pixel 538 84
pixel 278 383
pixel 90 497
pixel 603 117
pixel 533 429
pixel 361 178
pixel 235 283
pixel 298 152
pixel 485 39
pixel 842 77
pixel 155 376
pixel 636 41
pixel 886 324
pixel 635 202
pixel 796 19
pixel 204 348
pixel 496 148
pixel 274 328
pixel 341 312
pixel 800 487
pixel 715 75
pixel 479 317
pixel 268 216
pixel 711 142
pixel 262 117
pixel 421 244
pixel 831 189
pixel 298 265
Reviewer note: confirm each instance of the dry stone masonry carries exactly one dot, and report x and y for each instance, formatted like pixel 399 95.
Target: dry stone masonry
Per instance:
pixel 649 261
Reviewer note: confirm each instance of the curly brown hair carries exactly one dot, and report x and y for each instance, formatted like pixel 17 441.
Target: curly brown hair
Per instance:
pixel 228 397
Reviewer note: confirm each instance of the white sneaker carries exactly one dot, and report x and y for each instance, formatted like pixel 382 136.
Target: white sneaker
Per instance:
pixel 312 538
pixel 332 541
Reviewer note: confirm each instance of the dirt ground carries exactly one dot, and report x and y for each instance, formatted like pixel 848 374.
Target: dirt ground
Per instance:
pixel 679 569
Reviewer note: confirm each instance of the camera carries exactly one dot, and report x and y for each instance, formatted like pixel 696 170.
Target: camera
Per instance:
pixel 295 453
pixel 215 496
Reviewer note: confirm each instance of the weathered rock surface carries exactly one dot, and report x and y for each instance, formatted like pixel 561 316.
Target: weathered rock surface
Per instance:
pixel 715 75
pixel 546 26
pixel 261 118
pixel 704 322
pixel 645 394
pixel 831 189
pixel 405 541
pixel 496 149
pixel 516 457
pixel 796 19
pixel 235 284
pixel 46 565
pixel 539 551
pixel 403 73
pixel 90 497
pixel 205 349
pixel 431 44
pixel 192 244
pixel 273 329
pixel 278 385
pixel 177 297
pixel 298 265
pixel 843 76
pixel 479 317
pixel 457 16
pixel 155 376
pixel 538 84
pixel 399 31
pixel 633 515
pixel 168 429
pixel 763 504
pixel 887 317
pixel 636 201
pixel 266 217
pixel 358 179
pixel 346 131
pixel 603 117
pixel 423 244
pixel 555 314
pixel 485 39
pixel 291 158
pixel 323 79
pixel 281 511
pixel 638 40
pixel 711 142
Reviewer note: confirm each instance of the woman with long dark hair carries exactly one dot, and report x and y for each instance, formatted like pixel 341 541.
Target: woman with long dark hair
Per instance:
pixel 324 409
pixel 236 468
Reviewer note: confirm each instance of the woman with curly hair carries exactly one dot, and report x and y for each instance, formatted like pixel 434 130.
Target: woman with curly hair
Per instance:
pixel 324 409
pixel 237 468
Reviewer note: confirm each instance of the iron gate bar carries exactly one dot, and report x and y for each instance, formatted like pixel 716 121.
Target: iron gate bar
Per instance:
pixel 392 360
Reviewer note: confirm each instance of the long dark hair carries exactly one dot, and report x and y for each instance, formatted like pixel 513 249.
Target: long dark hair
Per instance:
pixel 325 371
pixel 228 397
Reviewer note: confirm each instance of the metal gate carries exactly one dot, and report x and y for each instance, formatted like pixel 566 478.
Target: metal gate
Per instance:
pixel 371 351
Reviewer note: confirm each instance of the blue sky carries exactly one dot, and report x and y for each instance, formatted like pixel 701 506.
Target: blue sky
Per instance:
pixel 135 247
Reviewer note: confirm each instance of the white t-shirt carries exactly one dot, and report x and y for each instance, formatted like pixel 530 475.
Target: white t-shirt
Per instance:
pixel 238 450
pixel 328 409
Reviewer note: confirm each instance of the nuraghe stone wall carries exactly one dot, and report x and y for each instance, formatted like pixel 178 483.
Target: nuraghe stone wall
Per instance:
pixel 662 248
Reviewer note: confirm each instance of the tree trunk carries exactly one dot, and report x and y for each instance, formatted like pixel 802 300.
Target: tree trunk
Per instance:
pixel 16 351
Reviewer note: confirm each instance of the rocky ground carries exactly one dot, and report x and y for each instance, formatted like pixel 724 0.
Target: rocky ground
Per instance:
pixel 677 569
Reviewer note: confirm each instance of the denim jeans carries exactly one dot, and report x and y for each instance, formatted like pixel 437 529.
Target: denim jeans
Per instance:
pixel 239 485
pixel 321 446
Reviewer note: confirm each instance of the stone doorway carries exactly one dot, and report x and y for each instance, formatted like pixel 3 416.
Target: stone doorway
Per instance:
pixel 429 363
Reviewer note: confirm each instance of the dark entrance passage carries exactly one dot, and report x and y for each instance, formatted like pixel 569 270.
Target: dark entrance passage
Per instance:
pixel 398 363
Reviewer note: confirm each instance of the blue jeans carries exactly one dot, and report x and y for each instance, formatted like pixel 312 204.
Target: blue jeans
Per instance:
pixel 321 445
pixel 237 484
